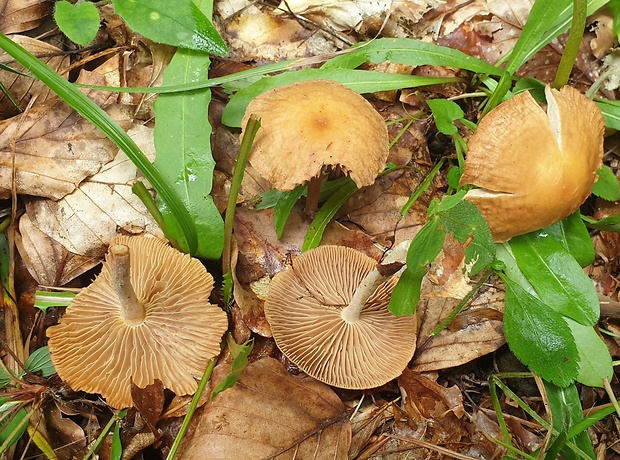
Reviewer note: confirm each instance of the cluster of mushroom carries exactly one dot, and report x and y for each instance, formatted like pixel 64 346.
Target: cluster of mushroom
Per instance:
pixel 146 316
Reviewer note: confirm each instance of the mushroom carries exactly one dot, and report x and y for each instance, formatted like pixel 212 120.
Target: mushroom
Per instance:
pixel 309 125
pixel 147 316
pixel 534 168
pixel 333 331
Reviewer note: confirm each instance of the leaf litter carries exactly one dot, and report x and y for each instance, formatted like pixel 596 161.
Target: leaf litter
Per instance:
pixel 442 400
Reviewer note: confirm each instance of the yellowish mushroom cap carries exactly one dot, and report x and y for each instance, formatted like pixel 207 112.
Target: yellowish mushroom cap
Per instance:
pixel 534 168
pixel 304 311
pixel 311 124
pixel 94 350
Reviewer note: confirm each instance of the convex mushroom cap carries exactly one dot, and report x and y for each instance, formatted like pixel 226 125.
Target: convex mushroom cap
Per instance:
pixel 311 124
pixel 147 316
pixel 534 168
pixel 305 311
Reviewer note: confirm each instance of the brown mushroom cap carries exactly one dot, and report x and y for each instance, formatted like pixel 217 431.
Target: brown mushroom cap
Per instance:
pixel 534 168
pixel 304 311
pixel 94 350
pixel 311 124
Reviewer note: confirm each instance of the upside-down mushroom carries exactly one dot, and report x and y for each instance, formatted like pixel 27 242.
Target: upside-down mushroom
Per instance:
pixel 534 168
pixel 147 316
pixel 309 125
pixel 318 323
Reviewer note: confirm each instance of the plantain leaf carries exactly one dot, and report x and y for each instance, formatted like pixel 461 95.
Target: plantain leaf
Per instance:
pixel 179 23
pixel 539 336
pixel 557 277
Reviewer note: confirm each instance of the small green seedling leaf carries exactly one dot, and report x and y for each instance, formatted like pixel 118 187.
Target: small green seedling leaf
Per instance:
pixel 240 355
pixel 454 177
pixel 423 249
pixel 40 360
pixel 557 277
pixel 607 186
pixel 539 336
pixel 445 113
pixel 595 363
pixel 79 22
pixel 227 288
pixel 269 199
pixel 467 225
pixel 572 233
pixel 179 23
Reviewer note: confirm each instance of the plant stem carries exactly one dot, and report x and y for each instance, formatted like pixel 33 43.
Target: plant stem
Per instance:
pixel 572 44
pixel 132 311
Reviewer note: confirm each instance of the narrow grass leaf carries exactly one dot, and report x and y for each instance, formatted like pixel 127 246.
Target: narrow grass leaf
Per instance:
pixel 284 206
pixel 409 52
pixel 96 115
pixel 565 407
pixel 325 215
pixel 116 452
pixel 240 355
pixel 79 22
pixel 13 425
pixel 595 363
pixel 362 81
pixel 183 144
pixel 607 186
pixel 572 233
pixel 608 224
pixel 557 277
pixel 610 111
pixel 179 23
pixel 539 336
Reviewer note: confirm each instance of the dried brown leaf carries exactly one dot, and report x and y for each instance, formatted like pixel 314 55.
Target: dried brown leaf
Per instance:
pixel 272 414
pixel 86 220
pixel 21 15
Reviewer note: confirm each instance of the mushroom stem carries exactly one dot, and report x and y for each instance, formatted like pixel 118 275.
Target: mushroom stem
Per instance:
pixel 391 264
pixel 314 194
pixel 132 310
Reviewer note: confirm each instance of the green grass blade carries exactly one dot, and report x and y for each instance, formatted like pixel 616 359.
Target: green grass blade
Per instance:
pixel 96 115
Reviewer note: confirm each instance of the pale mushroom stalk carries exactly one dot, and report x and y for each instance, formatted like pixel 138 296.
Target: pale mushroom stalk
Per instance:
pixel 132 310
pixel 314 194
pixel 391 264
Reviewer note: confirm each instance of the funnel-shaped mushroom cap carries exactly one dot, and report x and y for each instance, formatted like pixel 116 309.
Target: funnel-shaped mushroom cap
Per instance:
pixel 304 311
pixel 95 350
pixel 311 124
pixel 534 168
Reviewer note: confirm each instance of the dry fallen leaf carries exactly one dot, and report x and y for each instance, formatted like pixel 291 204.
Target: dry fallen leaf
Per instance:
pixel 21 15
pixel 23 88
pixel 272 414
pixel 86 220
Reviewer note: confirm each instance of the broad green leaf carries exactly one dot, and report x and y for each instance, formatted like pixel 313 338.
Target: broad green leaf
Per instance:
pixel 326 213
pixel 423 250
pixel 572 233
pixel 503 254
pixel 565 406
pixel 240 355
pixel 79 22
pixel 96 115
pixel 284 206
pixel 539 336
pixel 608 224
pixel 409 52
pixel 445 113
pixel 183 144
pixel 610 111
pixel 179 23
pixel 557 277
pixel 607 186
pixel 466 223
pixel 40 360
pixel 594 359
pixel 406 293
pixel 361 81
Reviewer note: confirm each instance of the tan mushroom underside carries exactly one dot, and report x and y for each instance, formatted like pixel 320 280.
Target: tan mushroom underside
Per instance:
pixel 93 350
pixel 303 310
pixel 534 168
pixel 311 124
